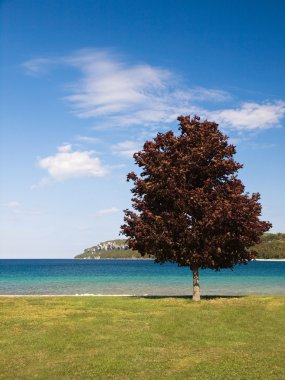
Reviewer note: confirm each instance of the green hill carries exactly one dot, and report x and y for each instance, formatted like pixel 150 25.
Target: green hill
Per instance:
pixel 272 246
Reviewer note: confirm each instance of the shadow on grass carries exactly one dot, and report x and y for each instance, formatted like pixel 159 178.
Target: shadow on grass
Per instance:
pixel 209 297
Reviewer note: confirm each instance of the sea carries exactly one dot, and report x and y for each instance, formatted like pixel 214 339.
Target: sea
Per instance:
pixel 136 278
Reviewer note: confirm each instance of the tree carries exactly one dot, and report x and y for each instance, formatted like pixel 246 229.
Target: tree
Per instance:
pixel 189 206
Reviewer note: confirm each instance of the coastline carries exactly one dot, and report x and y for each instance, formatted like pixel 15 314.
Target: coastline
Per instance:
pixel 203 296
pixel 206 296
pixel 149 258
pixel 73 295
pixel 114 258
pixel 269 260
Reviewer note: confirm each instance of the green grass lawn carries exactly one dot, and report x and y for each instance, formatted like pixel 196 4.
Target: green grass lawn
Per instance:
pixel 142 338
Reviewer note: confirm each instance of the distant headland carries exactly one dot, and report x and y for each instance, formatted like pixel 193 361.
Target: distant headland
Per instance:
pixel 272 246
pixel 111 249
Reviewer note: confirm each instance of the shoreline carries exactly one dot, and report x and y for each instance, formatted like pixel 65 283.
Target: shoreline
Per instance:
pixel 269 260
pixel 113 258
pixel 227 295
pixel 75 295
pixel 149 258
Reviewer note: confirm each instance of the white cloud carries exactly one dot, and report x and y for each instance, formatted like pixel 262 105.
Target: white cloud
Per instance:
pixel 251 116
pixel 66 164
pixel 64 148
pixel 123 94
pixel 106 211
pixel 118 93
pixel 126 148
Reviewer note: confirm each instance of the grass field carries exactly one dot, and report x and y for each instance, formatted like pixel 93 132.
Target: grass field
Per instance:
pixel 142 338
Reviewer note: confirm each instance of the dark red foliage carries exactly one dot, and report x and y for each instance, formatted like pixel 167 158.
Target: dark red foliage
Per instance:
pixel 190 207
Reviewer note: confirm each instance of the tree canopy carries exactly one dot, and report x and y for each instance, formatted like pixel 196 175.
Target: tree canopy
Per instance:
pixel 189 206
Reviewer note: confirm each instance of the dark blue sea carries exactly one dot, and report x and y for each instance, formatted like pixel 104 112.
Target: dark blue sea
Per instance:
pixel 135 277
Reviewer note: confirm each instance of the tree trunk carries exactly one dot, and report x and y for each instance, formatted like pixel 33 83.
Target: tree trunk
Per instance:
pixel 196 285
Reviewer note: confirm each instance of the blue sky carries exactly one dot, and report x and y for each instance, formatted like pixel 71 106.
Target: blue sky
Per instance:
pixel 85 83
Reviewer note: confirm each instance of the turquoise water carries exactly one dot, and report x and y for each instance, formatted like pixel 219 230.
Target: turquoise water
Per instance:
pixel 135 277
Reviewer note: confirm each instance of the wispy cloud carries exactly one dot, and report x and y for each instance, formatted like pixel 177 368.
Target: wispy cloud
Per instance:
pixel 107 211
pixel 251 116
pixel 66 164
pixel 87 139
pixel 114 92
pixel 16 208
pixel 13 206
pixel 123 94
pixel 38 66
pixel 126 148
pixel 258 146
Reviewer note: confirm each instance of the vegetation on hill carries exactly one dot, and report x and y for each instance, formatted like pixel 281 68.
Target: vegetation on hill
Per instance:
pixel 272 246
pixel 112 249
pixel 113 254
